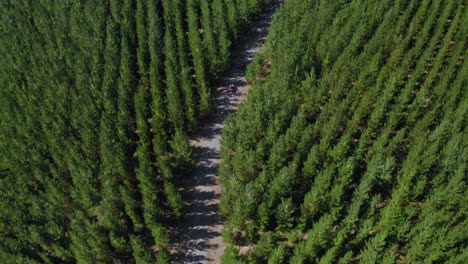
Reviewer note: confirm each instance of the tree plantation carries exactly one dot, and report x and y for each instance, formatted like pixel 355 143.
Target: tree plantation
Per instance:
pixel 98 99
pixel 352 145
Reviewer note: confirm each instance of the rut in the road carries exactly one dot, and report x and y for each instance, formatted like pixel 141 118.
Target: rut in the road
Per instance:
pixel 199 240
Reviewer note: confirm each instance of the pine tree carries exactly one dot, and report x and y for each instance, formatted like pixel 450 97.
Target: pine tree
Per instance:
pixel 199 61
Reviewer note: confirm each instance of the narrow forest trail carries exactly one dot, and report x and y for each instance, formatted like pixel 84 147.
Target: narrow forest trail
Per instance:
pixel 199 239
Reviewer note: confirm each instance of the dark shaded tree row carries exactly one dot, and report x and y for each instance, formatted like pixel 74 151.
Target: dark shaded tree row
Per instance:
pixel 352 146
pixel 98 99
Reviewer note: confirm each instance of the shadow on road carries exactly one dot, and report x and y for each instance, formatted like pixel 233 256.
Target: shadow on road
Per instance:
pixel 198 239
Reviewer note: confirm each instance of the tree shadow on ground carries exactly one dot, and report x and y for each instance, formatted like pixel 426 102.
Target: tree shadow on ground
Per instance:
pixel 192 237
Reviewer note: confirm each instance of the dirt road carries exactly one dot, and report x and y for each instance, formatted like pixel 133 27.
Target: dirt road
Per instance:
pixel 199 238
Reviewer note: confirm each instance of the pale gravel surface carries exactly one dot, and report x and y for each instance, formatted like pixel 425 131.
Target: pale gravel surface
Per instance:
pixel 199 240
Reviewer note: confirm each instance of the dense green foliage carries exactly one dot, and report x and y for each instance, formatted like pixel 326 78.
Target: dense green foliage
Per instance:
pixel 352 145
pixel 97 99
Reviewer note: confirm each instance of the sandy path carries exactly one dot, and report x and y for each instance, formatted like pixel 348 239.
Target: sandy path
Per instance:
pixel 199 239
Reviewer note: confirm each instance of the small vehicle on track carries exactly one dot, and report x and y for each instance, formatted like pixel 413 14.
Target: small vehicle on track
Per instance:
pixel 232 88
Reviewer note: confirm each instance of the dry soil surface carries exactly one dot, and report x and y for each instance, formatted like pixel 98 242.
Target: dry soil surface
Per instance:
pixel 198 239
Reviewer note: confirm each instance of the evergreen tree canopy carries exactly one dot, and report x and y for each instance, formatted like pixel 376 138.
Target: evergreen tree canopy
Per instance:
pixel 98 98
pixel 352 144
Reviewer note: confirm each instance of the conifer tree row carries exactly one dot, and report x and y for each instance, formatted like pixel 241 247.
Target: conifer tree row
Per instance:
pixel 98 101
pixel 351 146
